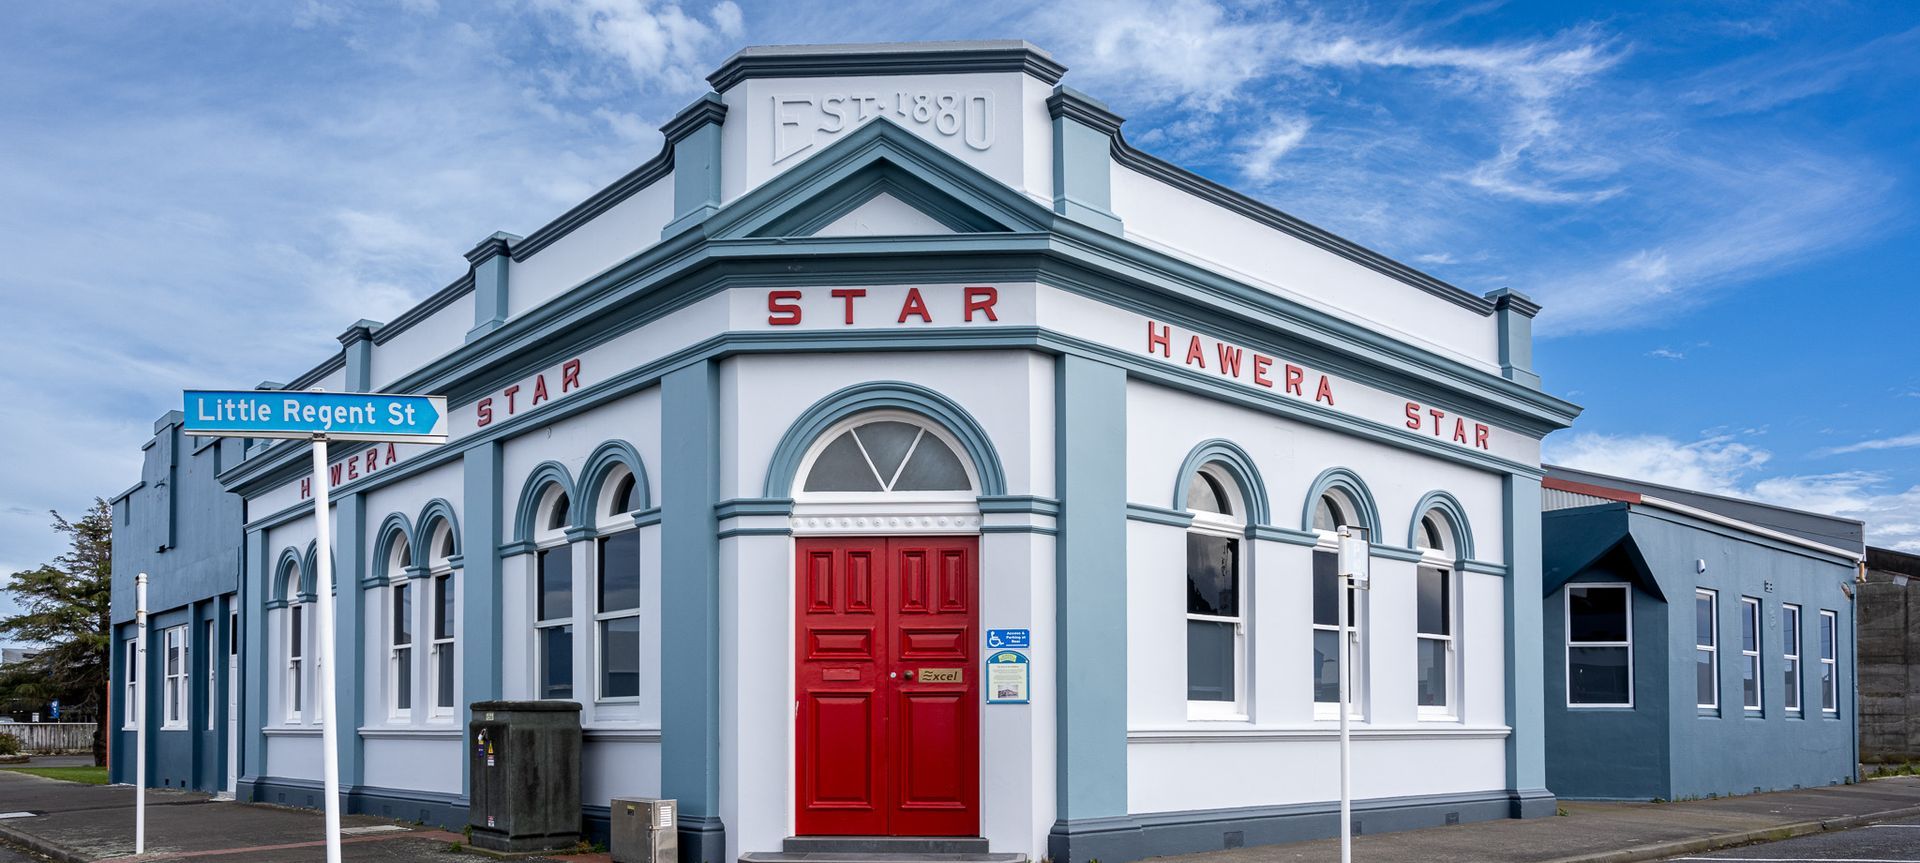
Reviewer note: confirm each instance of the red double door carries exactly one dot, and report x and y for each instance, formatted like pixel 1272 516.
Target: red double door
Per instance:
pixel 888 686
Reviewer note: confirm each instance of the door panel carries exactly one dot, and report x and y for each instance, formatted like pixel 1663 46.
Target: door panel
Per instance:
pixel 888 737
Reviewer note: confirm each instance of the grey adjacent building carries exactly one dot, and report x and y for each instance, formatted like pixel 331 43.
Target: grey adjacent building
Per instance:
pixel 1890 658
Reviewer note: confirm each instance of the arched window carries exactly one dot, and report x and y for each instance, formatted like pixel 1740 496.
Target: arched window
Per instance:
pixel 399 628
pixel 888 452
pixel 553 595
pixel 1335 508
pixel 1216 606
pixel 617 588
pixel 291 691
pixel 444 619
pixel 1434 619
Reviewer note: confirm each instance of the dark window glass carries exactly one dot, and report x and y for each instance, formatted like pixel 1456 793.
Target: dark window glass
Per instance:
pixel 1327 514
pixel 620 657
pixel 620 571
pixel 556 583
pixel 1826 636
pixel 557 518
pixel 1326 589
pixel 403 679
pixel 1705 688
pixel 1432 673
pixel 402 614
pixel 1431 528
pixel 1326 665
pixel 443 616
pixel 1597 675
pixel 446 543
pixel 1213 575
pixel 443 676
pixel 556 662
pixel 1433 618
pixel 298 638
pixel 1703 633
pixel 1750 626
pixel 933 467
pixel 1204 494
pixel 1596 613
pixel 841 467
pixel 1210 660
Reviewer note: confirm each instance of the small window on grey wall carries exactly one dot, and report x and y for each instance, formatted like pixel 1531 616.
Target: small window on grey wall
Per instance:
pixel 1599 645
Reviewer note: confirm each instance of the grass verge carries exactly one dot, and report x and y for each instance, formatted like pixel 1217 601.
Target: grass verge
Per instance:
pixel 83 775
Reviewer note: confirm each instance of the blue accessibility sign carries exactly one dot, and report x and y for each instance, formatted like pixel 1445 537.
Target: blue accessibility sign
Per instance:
pixel 1008 639
pixel 306 415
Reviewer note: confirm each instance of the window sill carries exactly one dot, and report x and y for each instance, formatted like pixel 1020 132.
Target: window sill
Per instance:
pixel 174 728
pixel 1216 716
pixel 290 731
pixel 1707 712
pixel 1623 708
pixel 375 732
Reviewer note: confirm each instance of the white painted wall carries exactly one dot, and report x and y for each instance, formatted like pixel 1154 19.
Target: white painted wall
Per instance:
pixel 611 237
pixel 422 343
pixel 420 762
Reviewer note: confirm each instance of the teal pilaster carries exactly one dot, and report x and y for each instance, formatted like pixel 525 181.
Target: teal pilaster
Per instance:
pixel 690 607
pixel 349 637
pixel 489 261
pixel 1091 616
pixel 255 664
pixel 480 624
pixel 1526 709
pixel 1515 313
pixel 694 135
pixel 1083 131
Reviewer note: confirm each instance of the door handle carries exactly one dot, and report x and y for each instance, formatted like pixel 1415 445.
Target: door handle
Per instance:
pixel 909 674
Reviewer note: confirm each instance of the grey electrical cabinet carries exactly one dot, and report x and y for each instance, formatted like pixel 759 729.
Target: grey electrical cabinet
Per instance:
pixel 643 831
pixel 523 787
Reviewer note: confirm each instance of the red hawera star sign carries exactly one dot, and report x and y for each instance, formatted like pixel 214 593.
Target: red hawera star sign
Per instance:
pixel 1228 360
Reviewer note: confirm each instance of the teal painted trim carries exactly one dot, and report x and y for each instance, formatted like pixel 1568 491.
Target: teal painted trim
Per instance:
pixel 593 475
pixel 1525 633
pixel 1020 528
pixel 730 532
pixel 1515 312
pixel 436 511
pixel 576 534
pixel 1349 482
pixel 255 662
pixel 544 474
pixel 1394 553
pixel 694 137
pixel 349 633
pixel 899 58
pixel 481 623
pixel 689 590
pixel 746 506
pixel 1483 567
pixel 1456 515
pixel 649 172
pixel 394 527
pixel 1275 533
pixel 808 217
pixel 275 604
pixel 1083 131
pixel 417 571
pixel 289 561
pixel 510 549
pixel 645 517
pixel 1150 514
pixel 1025 504
pixel 1239 465
pixel 881 395
pixel 1091 604
pixel 357 354
pixel 425 309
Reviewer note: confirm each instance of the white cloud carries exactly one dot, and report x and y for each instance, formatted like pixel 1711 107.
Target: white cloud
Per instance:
pixel 664 48
pixel 1895 442
pixel 1723 465
pixel 1666 354
pixel 1282 134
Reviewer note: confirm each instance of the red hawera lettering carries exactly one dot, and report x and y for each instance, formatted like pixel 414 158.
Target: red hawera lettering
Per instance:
pixel 353 467
pixel 1230 359
pixel 784 309
pixel 484 410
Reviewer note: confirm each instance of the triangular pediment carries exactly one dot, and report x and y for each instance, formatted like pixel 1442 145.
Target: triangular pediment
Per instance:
pixel 881 180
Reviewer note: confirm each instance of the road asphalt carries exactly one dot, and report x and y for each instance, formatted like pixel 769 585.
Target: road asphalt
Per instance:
pixel 1892 842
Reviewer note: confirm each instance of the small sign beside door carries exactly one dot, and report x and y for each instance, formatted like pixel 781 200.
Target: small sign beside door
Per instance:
pixel 1008 678
pixel 1008 639
pixel 939 675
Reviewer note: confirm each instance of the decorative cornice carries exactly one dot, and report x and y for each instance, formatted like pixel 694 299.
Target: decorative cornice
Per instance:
pixel 1201 187
pixel 1019 503
pixel 1508 298
pixel 1276 533
pixel 1159 515
pixel 661 165
pixel 747 506
pixel 499 243
pixel 362 330
pixel 895 58
pixel 424 309
pixel 645 517
pixel 1075 105
pixel 706 109
pixel 864 524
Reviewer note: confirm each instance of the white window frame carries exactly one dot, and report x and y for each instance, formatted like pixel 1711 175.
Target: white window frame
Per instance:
pixel 610 520
pixel 1750 659
pixel 440 578
pixel 1712 649
pixel 173 689
pixel 546 538
pixel 1790 637
pixel 1830 660
pixel 130 713
pixel 399 655
pixel 1567 655
pixel 213 674
pixel 1443 559
pixel 292 690
pixel 1329 541
pixel 1233 527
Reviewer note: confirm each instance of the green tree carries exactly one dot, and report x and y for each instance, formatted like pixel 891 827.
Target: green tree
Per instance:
pixel 67 608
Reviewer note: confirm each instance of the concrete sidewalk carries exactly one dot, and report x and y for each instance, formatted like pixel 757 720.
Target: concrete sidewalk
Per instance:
pixel 1614 832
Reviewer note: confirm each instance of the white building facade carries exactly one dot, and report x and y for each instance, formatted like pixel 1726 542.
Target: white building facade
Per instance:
pixel 890 347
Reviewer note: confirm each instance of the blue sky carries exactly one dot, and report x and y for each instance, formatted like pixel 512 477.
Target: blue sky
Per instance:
pixel 1714 201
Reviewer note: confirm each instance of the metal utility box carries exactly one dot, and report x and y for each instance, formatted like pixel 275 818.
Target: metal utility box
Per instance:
pixel 524 781
pixel 643 831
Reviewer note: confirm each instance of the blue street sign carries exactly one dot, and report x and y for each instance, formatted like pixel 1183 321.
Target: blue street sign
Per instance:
pixel 1008 639
pixel 56 708
pixel 304 415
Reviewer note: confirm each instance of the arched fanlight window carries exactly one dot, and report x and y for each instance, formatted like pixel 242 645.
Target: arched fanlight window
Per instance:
pixel 553 596
pixel 399 628
pixel 624 498
pixel 291 689
pixel 1216 605
pixel 1435 675
pixel 1436 532
pixel 1211 492
pixel 888 455
pixel 556 508
pixel 1332 511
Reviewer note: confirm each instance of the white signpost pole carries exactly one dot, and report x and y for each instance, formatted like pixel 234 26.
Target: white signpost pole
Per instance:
pixel 323 587
pixel 138 710
pixel 1353 574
